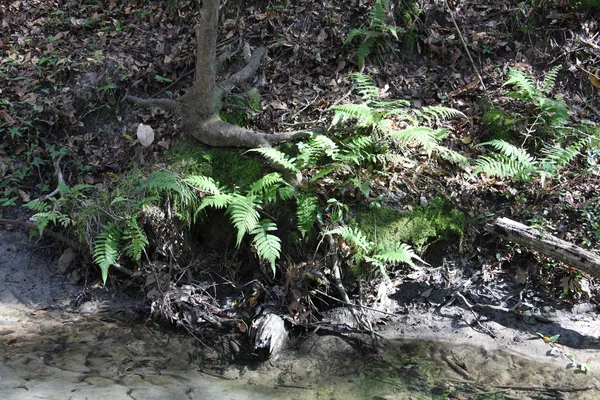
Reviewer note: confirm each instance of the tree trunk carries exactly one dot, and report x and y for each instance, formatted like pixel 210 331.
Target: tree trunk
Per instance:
pixel 201 104
pixel 549 245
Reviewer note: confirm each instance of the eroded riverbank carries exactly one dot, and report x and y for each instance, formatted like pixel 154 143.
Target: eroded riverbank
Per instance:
pixel 57 344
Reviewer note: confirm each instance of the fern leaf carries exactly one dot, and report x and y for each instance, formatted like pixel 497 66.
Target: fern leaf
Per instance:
pixel 38 206
pixel 439 113
pixel 550 79
pixel 313 152
pixel 361 112
pixel 363 51
pixel 243 214
pixel 502 166
pixel 262 186
pixel 396 253
pixel 203 183
pixel 556 157
pixel 524 84
pixel 352 235
pixel 136 239
pixel 354 33
pixel 277 157
pixel 106 249
pixel 307 208
pixel 512 152
pixel 268 246
pixel 365 85
pixel 162 181
pixel 218 201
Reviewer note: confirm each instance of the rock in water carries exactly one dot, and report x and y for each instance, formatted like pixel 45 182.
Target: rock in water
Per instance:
pixel 267 335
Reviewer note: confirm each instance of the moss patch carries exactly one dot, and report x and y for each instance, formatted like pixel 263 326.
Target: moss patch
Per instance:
pixel 418 227
pixel 229 167
pixel 499 123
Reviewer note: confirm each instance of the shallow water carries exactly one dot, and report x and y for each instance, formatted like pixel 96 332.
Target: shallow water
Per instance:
pixel 50 349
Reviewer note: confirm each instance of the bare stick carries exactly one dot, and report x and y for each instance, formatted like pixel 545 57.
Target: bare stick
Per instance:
pixel 462 39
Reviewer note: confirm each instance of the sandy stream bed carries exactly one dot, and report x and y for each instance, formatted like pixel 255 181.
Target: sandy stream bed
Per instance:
pixel 53 346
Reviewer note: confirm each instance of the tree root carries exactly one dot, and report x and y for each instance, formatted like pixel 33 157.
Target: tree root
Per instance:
pixel 361 319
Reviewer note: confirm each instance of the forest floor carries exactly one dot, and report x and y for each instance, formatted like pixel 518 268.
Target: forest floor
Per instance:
pixel 65 69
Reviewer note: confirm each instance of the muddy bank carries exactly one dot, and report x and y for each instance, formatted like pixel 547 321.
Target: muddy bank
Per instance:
pixel 60 340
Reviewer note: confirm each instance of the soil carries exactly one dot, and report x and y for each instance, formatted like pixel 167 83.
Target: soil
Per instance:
pixel 65 341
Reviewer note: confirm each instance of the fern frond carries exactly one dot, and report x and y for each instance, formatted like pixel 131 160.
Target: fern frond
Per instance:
pixel 361 112
pixel 511 151
pixel 162 181
pixel 203 183
pixel 243 214
pixel 555 157
pixel 106 249
pixel 277 157
pixel 307 209
pixel 355 33
pixel 550 79
pixel 502 166
pixel 267 187
pixel 421 135
pixel 439 113
pixel 317 148
pixel 218 201
pixel 524 84
pixel 395 253
pixel 364 50
pixel 268 246
pixel 265 182
pixel 38 206
pixel 378 13
pixel 136 239
pixel 352 235
pixel 365 85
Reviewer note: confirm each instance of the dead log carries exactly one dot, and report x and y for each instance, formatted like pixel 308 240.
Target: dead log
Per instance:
pixel 549 245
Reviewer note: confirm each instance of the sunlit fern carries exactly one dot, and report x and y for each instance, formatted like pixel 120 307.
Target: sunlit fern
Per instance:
pixel 106 248
pixel 512 162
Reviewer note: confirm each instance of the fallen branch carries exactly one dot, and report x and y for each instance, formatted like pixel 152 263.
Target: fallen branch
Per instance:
pixel 546 389
pixel 549 245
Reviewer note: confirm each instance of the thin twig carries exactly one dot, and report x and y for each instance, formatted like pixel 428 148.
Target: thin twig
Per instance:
pixel 462 39
pixel 59 177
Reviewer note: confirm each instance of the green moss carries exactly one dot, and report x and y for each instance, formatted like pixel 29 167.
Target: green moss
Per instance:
pixel 234 170
pixel 418 227
pixel 251 100
pixel 500 124
pixel 229 167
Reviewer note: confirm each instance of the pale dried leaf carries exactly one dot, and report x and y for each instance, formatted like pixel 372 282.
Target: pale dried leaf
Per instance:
pixel 145 135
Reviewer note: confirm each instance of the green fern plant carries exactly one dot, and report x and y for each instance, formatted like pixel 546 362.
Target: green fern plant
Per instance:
pixel 376 33
pixel 244 211
pixel 510 161
pixel 380 255
pixel 107 248
pixel 383 118
pixel 549 155
pixel 549 111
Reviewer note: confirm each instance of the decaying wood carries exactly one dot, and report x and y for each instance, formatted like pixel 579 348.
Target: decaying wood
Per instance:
pixel 549 245
pixel 267 335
